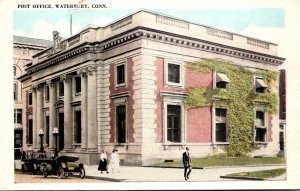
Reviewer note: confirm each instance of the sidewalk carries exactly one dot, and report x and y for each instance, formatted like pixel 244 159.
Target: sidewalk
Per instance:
pixel 145 174
pixel 155 174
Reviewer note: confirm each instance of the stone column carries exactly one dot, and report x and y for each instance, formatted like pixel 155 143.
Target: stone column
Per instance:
pixel 92 109
pixel 68 113
pixel 39 114
pixel 34 117
pixel 83 108
pixel 52 112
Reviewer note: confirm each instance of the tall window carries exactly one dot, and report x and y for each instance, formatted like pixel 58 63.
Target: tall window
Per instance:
pixel 77 84
pixel 121 123
pixel 120 75
pixel 221 80
pixel 260 85
pixel 47 131
pixel 47 93
pixel 15 91
pixel 18 116
pixel 77 126
pixel 61 88
pixel 260 128
pixel 30 132
pixel 174 73
pixel 220 125
pixel 174 123
pixel 30 99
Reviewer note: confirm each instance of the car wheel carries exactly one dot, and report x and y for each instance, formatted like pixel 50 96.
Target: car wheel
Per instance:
pixel 82 173
pixel 61 172
pixel 44 170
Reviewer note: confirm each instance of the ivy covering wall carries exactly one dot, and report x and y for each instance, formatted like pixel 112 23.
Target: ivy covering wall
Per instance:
pixel 239 98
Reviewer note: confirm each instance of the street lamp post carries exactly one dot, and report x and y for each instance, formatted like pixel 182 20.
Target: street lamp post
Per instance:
pixel 55 133
pixel 41 134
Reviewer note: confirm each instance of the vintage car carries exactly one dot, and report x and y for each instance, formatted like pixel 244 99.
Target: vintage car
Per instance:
pixel 63 166
pixel 31 161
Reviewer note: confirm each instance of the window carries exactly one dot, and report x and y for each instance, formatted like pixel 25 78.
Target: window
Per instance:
pixel 260 128
pixel 121 123
pixel 30 99
pixel 77 84
pixel 18 116
pixel 174 123
pixel 221 80
pixel 120 75
pixel 77 126
pixel 30 132
pixel 61 88
pixel 260 85
pixel 220 125
pixel 174 73
pixel 47 93
pixel 47 131
pixel 15 91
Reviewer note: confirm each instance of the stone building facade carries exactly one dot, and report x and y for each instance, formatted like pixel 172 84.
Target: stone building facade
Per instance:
pixel 24 48
pixel 122 86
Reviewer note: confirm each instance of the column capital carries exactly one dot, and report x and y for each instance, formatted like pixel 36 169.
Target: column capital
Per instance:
pixel 35 87
pixel 91 70
pixel 82 72
pixel 64 78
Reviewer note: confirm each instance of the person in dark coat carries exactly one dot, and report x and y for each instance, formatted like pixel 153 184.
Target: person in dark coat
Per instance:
pixel 187 161
pixel 103 162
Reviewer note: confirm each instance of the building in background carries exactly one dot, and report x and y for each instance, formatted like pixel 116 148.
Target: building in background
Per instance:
pixel 282 111
pixel 123 86
pixel 24 48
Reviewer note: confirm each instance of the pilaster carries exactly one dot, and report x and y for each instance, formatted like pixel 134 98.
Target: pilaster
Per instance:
pixel 68 117
pixel 92 109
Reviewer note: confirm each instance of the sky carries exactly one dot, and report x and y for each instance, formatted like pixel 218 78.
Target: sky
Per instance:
pixel 262 23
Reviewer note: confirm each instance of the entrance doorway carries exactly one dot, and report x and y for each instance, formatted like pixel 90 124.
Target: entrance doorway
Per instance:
pixel 61 131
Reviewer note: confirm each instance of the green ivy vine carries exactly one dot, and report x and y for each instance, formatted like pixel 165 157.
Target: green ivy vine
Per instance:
pixel 239 98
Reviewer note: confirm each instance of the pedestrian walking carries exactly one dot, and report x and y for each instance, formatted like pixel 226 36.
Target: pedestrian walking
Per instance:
pixel 103 162
pixel 187 162
pixel 115 162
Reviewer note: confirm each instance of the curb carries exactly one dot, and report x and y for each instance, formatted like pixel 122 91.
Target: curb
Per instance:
pixel 259 165
pixel 242 177
pixel 171 167
pixel 215 167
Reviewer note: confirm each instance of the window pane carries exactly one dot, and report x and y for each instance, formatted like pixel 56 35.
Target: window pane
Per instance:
pixel 174 73
pixel 260 119
pixel 221 132
pixel 260 135
pixel 121 74
pixel 220 115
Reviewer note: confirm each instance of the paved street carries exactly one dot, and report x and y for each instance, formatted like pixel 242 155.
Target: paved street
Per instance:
pixel 137 174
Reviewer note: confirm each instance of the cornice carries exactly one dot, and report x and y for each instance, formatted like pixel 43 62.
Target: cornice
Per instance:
pixel 161 36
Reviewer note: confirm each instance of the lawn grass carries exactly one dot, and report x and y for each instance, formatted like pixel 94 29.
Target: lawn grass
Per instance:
pixel 211 162
pixel 263 174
